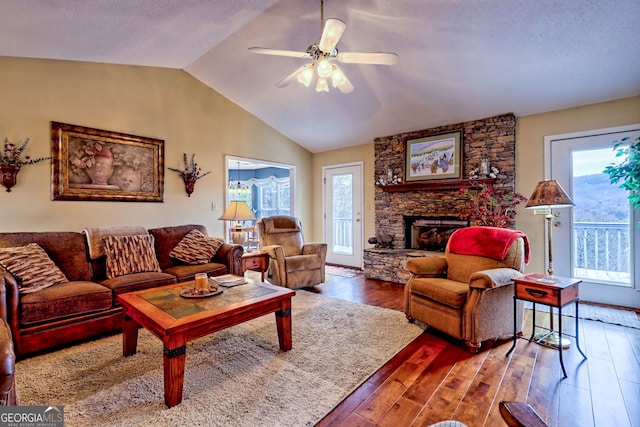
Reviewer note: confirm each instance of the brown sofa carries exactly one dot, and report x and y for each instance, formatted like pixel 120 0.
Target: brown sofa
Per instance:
pixel 86 305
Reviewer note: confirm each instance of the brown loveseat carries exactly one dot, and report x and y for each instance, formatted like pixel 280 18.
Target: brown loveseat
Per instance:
pixel 85 306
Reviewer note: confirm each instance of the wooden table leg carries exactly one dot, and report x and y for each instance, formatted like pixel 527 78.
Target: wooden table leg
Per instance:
pixel 174 360
pixel 129 336
pixel 283 322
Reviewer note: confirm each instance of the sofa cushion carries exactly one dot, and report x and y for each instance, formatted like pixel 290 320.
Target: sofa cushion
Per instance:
pixel 303 262
pixel 168 237
pixel 196 248
pixel 67 249
pixel 444 291
pixel 32 266
pixel 129 254
pixel 137 282
pixel 64 300
pixel 187 272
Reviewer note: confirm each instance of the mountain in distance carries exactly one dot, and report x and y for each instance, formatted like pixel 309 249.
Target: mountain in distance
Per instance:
pixel 597 200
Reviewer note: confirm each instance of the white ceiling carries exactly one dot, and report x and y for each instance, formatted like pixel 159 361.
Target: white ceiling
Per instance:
pixel 458 59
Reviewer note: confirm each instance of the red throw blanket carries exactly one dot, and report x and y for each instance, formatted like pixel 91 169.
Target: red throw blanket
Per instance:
pixel 490 242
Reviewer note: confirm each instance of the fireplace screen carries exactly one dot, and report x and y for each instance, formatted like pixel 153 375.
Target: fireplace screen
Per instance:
pixel 430 233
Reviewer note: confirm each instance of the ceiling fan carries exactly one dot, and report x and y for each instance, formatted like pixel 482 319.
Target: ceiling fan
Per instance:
pixel 325 55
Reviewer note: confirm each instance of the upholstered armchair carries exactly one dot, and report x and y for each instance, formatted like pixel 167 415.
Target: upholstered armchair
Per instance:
pixel 292 262
pixel 467 292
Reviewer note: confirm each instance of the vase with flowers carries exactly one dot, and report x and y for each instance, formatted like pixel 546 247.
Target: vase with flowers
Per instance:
pixel 13 159
pixel 190 174
pixel 490 207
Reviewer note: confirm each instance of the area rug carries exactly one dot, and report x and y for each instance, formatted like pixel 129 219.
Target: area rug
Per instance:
pixel 335 270
pixel 236 377
pixel 599 313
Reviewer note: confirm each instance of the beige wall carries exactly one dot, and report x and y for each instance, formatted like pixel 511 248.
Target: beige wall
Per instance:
pixel 160 103
pixel 171 105
pixel 360 153
pixel 530 134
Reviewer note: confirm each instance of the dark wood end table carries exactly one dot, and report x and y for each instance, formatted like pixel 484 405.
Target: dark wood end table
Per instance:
pixel 255 261
pixel 552 291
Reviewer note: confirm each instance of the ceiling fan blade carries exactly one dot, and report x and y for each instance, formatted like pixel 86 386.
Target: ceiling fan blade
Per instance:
pixel 279 52
pixel 332 32
pixel 291 77
pixel 345 86
pixel 381 58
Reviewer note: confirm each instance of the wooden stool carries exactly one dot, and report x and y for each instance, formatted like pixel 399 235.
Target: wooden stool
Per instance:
pixel 518 414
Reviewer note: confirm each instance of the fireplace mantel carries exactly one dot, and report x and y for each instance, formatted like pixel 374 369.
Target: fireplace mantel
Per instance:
pixel 440 184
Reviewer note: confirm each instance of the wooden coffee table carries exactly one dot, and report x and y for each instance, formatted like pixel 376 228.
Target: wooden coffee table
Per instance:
pixel 175 320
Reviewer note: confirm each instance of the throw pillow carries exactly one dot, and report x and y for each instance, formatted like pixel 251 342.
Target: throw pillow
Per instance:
pixel 32 267
pixel 129 254
pixel 196 248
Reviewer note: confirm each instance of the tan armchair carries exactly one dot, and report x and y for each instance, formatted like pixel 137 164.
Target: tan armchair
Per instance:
pixel 293 263
pixel 468 291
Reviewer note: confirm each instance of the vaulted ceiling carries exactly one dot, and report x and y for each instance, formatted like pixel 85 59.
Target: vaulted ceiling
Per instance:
pixel 458 59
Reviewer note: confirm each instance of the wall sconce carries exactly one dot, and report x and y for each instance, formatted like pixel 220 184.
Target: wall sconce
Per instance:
pixel 190 174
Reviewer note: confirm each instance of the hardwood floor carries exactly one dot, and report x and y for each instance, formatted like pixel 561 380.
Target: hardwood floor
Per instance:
pixel 434 378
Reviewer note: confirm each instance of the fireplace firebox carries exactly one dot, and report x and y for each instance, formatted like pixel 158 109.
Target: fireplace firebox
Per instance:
pixel 430 233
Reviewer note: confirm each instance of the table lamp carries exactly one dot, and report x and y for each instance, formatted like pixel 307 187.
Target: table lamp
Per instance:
pixel 549 195
pixel 238 211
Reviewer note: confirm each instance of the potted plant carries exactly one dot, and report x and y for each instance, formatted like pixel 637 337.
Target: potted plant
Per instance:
pixel 12 160
pixel 628 170
pixel 490 207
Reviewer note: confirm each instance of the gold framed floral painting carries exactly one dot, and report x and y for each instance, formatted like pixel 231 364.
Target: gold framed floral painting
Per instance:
pixel 95 164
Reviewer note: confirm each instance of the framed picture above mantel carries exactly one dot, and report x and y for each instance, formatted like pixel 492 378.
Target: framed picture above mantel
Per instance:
pixel 95 164
pixel 434 157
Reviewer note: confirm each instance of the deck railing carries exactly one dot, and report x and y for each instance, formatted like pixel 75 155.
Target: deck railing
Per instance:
pixel 602 246
pixel 343 232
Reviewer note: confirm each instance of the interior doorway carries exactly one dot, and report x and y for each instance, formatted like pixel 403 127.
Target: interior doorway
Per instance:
pixel 267 187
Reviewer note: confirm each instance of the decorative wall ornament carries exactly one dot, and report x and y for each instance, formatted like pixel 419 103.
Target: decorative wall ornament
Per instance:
pixel 190 174
pixel 94 164
pixel 12 161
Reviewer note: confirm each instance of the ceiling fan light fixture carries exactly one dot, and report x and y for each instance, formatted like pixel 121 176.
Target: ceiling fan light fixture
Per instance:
pixel 306 76
pixel 322 85
pixel 324 69
pixel 337 76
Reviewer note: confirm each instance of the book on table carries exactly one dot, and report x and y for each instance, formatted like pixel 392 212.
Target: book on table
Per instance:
pixel 228 280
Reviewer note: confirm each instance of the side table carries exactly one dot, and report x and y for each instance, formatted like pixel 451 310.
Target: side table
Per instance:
pixel 552 291
pixel 255 261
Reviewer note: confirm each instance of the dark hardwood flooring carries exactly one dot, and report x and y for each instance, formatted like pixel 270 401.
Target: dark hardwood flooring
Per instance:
pixel 435 378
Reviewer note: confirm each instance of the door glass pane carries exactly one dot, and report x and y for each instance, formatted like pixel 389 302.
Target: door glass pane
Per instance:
pixel 342 186
pixel 601 221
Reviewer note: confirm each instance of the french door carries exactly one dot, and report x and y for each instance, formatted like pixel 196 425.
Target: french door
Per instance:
pixel 343 228
pixel 598 240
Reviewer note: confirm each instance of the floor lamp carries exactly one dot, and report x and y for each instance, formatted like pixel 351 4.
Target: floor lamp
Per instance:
pixel 549 195
pixel 238 211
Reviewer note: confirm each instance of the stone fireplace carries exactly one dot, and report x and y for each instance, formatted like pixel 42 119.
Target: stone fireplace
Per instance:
pixel 493 138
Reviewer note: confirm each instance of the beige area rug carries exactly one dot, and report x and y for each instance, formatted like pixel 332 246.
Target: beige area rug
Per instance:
pixel 236 377
pixel 335 270
pixel 613 316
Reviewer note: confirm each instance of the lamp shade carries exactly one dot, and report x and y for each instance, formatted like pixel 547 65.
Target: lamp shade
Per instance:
pixel 238 210
pixel 549 194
